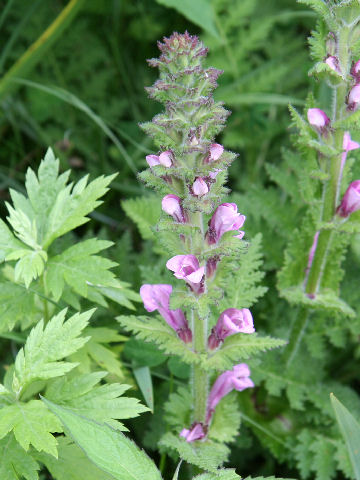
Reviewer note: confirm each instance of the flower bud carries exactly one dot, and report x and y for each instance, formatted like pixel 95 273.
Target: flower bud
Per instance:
pixel 354 98
pixel 186 267
pixel 171 204
pixel 200 187
pixel 318 119
pixel 225 218
pixel 165 158
pixel 216 150
pixel 355 71
pixel 152 160
pixel 333 63
pixel 196 432
pixel 236 379
pixel 351 200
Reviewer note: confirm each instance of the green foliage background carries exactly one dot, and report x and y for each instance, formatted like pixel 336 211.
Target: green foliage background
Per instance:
pixel 85 97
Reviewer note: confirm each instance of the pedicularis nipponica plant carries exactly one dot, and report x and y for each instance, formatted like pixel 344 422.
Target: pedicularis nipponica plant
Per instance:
pixel 201 233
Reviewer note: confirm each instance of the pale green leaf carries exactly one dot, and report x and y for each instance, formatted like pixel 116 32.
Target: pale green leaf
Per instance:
pixel 208 455
pixel 143 378
pixel 72 463
pixel 225 474
pixel 145 212
pixel 79 266
pixel 32 424
pixel 350 430
pixel 239 347
pixel 8 243
pixel 109 449
pixel 12 312
pixel 44 347
pixel 102 403
pixel 200 13
pixel 15 463
pixel 156 330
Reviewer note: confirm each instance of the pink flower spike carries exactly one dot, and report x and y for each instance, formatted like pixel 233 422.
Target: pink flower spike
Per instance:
pixel 236 379
pixel 225 219
pixel 165 158
pixel 354 98
pixel 351 200
pixel 318 118
pixel 186 267
pixel 355 71
pixel 231 321
pixel 333 63
pixel 216 150
pixel 171 204
pixel 156 297
pixel 152 160
pixel 200 187
pixel 195 433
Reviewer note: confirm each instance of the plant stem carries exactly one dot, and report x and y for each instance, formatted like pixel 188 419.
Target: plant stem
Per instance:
pixel 200 378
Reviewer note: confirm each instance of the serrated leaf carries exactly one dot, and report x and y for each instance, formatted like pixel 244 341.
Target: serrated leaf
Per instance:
pixel 226 420
pixel 225 474
pixel 145 212
pixel 72 463
pixel 207 455
pixel 30 265
pixel 13 312
pixel 72 206
pixel 44 347
pixel 350 430
pixel 32 424
pixel 78 266
pixel 239 347
pixel 15 463
pixel 157 331
pixel 109 449
pixel 8 243
pixel 102 403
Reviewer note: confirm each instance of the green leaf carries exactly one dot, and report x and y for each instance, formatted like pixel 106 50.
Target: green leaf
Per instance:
pixel 72 205
pixel 200 13
pixel 144 380
pixel 226 421
pixel 350 430
pixel 102 403
pixel 44 347
pixel 207 455
pixel 30 266
pixel 109 449
pixel 226 474
pixel 12 312
pixel 78 266
pixel 32 424
pixel 145 212
pixel 72 463
pixel 15 463
pixel 8 243
pixel 156 330
pixel 239 347
pixel 96 350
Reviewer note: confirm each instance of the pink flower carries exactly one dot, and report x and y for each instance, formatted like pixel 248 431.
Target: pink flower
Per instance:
pixel 186 267
pixel 354 98
pixel 171 204
pixel 196 432
pixel 236 379
pixel 318 119
pixel 333 63
pixel 355 71
pixel 226 218
pixel 216 150
pixel 348 145
pixel 231 321
pixel 164 159
pixel 156 297
pixel 351 200
pixel 200 187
